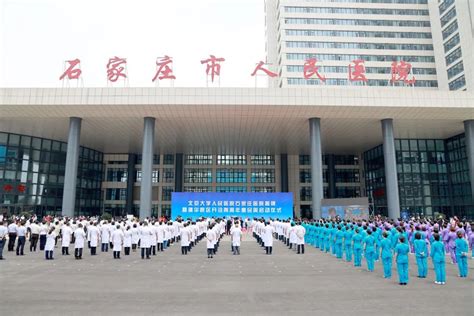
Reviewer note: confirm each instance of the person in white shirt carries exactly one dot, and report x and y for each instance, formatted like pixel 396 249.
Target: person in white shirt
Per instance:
pixel 80 237
pixel 117 241
pixel 160 234
pixel 66 233
pixel 12 235
pixel 42 235
pixel 127 240
pixel 50 241
pixel 21 233
pixel 105 236
pixel 153 239
pixel 236 237
pixel 34 231
pixel 3 238
pixel 93 236
pixel 300 232
pixel 135 237
pixel 185 236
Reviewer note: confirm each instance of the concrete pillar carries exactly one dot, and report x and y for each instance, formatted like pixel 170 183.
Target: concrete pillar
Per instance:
pixel 316 166
pixel 391 180
pixel 147 167
pixel 132 159
pixel 469 134
pixel 178 173
pixel 331 176
pixel 284 172
pixel 72 163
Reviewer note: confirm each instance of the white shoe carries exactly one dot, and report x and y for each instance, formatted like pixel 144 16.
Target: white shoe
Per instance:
pixel 443 283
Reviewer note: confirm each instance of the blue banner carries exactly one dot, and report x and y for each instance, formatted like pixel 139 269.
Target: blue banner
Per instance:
pixel 215 204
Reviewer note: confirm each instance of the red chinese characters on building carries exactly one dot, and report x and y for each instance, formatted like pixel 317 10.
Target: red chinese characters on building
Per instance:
pixel 163 69
pixel 21 188
pixel 213 66
pixel 261 68
pixel 357 71
pixel 310 69
pixel 400 72
pixel 115 68
pixel 72 72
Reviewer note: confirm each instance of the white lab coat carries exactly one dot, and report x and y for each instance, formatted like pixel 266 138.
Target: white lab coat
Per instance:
pixel 236 234
pixel 268 235
pixel 127 238
pixel 93 235
pixel 211 239
pixel 145 234
pixel 160 231
pixel 292 231
pixel 66 236
pixel 153 235
pixel 135 235
pixel 185 236
pixel 300 232
pixel 117 239
pixel 80 236
pixel 50 240
pixel 105 234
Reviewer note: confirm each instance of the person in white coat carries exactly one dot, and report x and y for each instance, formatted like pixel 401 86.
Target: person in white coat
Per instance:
pixel 300 232
pixel 127 240
pixel 160 234
pixel 153 239
pixel 145 236
pixel 185 236
pixel 66 233
pixel 236 237
pixel 268 231
pixel 135 237
pixel 211 239
pixel 105 236
pixel 117 241
pixel 80 237
pixel 49 246
pixel 93 236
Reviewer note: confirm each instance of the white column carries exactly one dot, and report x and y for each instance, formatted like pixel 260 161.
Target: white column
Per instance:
pixel 316 166
pixel 72 163
pixel 391 180
pixel 147 167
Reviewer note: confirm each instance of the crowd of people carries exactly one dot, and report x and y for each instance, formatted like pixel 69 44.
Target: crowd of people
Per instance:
pixel 382 240
pixel 377 239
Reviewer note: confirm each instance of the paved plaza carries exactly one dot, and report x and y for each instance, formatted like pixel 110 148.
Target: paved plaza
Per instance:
pixel 250 284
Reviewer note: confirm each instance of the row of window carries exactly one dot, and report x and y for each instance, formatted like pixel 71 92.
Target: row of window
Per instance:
pixel 168 159
pixel 341 45
pixel 340 160
pixel 357 22
pixel 445 5
pixel 451 43
pixel 261 189
pixel 453 56
pixel 457 83
pixel 228 160
pixel 448 17
pixel 350 57
pixel 341 192
pixel 378 34
pixel 356 11
pixel 455 70
pixel 370 82
pixel 369 70
pixel 375 1
pixel 450 29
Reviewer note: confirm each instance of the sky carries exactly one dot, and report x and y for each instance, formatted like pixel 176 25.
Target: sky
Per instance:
pixel 38 36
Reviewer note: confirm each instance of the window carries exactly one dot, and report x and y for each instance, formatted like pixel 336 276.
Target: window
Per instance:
pixel 231 176
pixel 154 177
pixel 357 22
pixel 263 189
pixel 448 16
pixel 268 160
pixel 197 189
pixel 355 11
pixel 305 194
pixel 347 175
pixel 351 57
pixel 378 34
pixel 198 160
pixel 262 176
pixel 230 160
pixel 457 83
pixel 156 159
pixel 166 193
pixel 197 176
pixel 305 176
pixel 348 160
pixel 168 175
pixel 305 160
pixel 168 159
pixel 455 70
pixel 455 55
pixel 117 175
pixel 451 43
pixel 356 45
pixel 230 189
pixel 116 194
pixel 450 29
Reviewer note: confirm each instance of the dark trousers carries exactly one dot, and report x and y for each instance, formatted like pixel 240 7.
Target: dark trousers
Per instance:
pixel 33 242
pixel 127 251
pixel 65 251
pixel 105 247
pixel 11 241
pixel 116 254
pixel 184 250
pixel 49 254
pixel 153 250
pixel 93 251
pixel 210 252
pixel 21 245
pixel 134 247
pixel 78 253
pixel 300 249
pixel 145 251
pixel 268 250
pixel 160 246
pixel 42 239
pixel 2 244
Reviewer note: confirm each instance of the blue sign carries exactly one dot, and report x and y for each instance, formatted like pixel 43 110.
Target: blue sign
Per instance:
pixel 215 204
